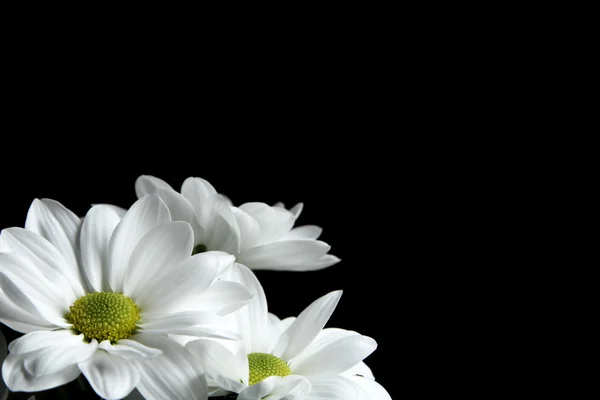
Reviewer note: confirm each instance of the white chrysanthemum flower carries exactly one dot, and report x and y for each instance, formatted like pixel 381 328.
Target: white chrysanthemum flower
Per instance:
pixel 100 296
pixel 292 359
pixel 259 235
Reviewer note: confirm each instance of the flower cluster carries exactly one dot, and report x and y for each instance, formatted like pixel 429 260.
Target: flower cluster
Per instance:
pixel 160 301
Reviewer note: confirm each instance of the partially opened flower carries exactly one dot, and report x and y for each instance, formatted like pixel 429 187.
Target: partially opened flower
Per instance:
pixel 259 235
pixel 99 297
pixel 292 359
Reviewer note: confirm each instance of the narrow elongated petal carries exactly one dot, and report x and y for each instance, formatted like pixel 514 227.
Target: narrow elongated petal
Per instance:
pixel 200 331
pixel 157 255
pixel 260 389
pixel 180 209
pixel 274 222
pixel 336 357
pixel 198 191
pixel 335 387
pixel 60 226
pixel 146 184
pixel 291 387
pixel 110 376
pixel 224 297
pixel 305 232
pixel 20 320
pixel 228 369
pixel 129 349
pixel 173 375
pixel 307 326
pixel 36 341
pixel 248 227
pixel 285 255
pixel 144 215
pixel 98 226
pixel 373 389
pixel 297 210
pixel 18 379
pixel 59 356
pixel 275 328
pixel 326 261
pixel 222 231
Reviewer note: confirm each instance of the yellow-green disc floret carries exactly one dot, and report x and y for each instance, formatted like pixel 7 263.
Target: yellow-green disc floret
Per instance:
pixel 264 365
pixel 104 316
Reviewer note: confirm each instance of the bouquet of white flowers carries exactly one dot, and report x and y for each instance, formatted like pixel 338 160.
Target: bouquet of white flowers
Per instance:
pixel 162 301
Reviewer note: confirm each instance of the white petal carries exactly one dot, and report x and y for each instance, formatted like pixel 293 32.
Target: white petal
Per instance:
pixel 335 387
pixel 361 369
pixel 297 210
pixel 20 320
pixel 3 352
pixel 285 255
pixel 279 204
pixel 36 341
pixel 59 356
pixel 18 379
pixel 120 211
pixel 156 257
pixel 260 389
pixel 129 349
pixel 326 261
pixel 180 209
pixel 59 226
pixel 145 214
pixel 335 357
pixel 291 387
pixel 274 222
pixel 111 377
pixel 181 288
pixel 305 232
pixel 307 326
pixel 229 370
pixel 146 184
pixel 224 297
pixel 173 375
pixel 222 232
pixel 199 331
pixel 98 226
pixel 275 327
pixel 251 320
pixel 45 257
pixel 198 191
pixel 373 389
pixel 248 227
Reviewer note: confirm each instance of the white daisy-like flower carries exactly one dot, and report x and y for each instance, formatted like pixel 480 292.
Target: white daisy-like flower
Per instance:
pixel 100 296
pixel 259 235
pixel 293 359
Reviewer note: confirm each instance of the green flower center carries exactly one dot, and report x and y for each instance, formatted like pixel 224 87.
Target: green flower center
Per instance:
pixel 104 316
pixel 264 365
pixel 199 249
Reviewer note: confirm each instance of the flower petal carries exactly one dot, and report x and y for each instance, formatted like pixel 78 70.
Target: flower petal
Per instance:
pixel 145 214
pixel 173 375
pixel 180 209
pixel 18 379
pixel 46 259
pixel 274 222
pixel 224 297
pixel 334 387
pixel 307 326
pixel 129 349
pixel 3 352
pixel 297 210
pixel 110 376
pixel 373 389
pixel 60 226
pixel 228 369
pixel 146 184
pixel 260 389
pixel 291 387
pixel 361 369
pixel 20 320
pixel 59 356
pixel 198 191
pixel 305 232
pixel 248 228
pixel 336 356
pixel 326 261
pixel 180 289
pixel 98 226
pixel 284 255
pixel 36 341
pixel 156 256
pixel 275 327
pixel 222 231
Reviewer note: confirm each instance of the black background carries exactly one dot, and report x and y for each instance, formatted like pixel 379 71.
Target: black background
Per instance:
pixel 351 188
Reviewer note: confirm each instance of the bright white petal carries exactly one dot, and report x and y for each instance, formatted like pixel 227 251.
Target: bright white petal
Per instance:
pixel 18 379
pixel 335 387
pixel 59 356
pixel 20 320
pixel 45 257
pixel 373 389
pixel 60 226
pixel 144 215
pixel 305 232
pixel 222 232
pixel 307 326
pixel 335 357
pixel 198 191
pixel 229 370
pixel 326 261
pixel 181 288
pixel 361 369
pixel 248 227
pixel 199 331
pixel 36 341
pixel 129 349
pixel 285 255
pixel 275 327
pixel 180 208
pixel 98 226
pixel 146 184
pixel 274 222
pixel 3 352
pixel 110 376
pixel 157 255
pixel 173 375
pixel 297 210
pixel 291 387
pixel 224 297
pixel 120 211
pixel 260 389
